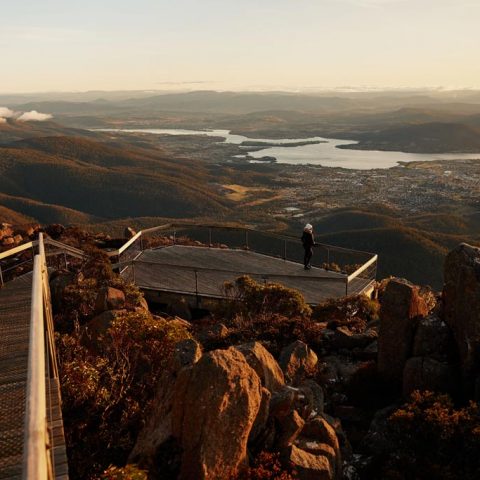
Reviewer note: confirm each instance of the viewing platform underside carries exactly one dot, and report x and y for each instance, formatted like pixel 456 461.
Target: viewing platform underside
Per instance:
pixel 203 271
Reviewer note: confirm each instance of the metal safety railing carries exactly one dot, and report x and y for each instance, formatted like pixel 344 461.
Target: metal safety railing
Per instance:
pixel 42 368
pixel 42 365
pixel 185 280
pixel 19 260
pixel 357 268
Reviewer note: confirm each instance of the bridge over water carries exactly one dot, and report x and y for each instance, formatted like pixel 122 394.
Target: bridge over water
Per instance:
pixel 183 259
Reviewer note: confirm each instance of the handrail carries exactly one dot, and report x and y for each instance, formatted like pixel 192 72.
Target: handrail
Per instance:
pixel 186 225
pixel 74 252
pixel 126 245
pixel 64 248
pixel 20 248
pixel 36 461
pixel 362 268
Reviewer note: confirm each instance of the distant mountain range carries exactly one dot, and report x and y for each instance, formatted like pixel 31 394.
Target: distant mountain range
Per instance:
pixel 433 137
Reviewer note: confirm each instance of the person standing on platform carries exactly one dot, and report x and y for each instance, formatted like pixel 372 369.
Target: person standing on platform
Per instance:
pixel 308 243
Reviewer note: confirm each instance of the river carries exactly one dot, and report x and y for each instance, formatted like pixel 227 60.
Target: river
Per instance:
pixel 325 153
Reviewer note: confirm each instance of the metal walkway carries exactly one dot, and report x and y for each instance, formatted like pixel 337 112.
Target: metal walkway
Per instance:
pixel 27 361
pixel 15 305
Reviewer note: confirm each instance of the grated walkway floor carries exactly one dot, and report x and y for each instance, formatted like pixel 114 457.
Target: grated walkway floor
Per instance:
pixel 15 303
pixel 192 270
pixel 14 334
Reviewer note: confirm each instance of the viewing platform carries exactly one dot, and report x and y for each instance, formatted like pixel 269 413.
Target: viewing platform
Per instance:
pixel 196 261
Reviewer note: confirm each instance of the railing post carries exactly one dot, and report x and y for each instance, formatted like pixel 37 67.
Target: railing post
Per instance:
pixel 346 286
pixel 133 272
pixel 1 276
pixel 246 240
pixel 141 243
pixel 174 236
pixel 197 299
pixel 285 249
pixel 209 237
pixel 328 258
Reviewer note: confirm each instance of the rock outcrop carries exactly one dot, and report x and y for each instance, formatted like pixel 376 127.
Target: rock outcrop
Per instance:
pixel 216 404
pixel 426 373
pixel 402 308
pixel 461 305
pixel 296 360
pixel 266 367
pixel 158 428
pixel 109 298
pixel 310 466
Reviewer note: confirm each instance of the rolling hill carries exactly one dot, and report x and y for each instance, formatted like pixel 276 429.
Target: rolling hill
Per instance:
pixel 434 137
pixel 54 178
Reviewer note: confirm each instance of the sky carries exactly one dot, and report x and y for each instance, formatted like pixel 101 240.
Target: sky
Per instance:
pixel 298 45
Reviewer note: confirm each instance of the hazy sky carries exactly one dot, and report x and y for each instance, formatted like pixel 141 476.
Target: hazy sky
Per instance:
pixel 237 44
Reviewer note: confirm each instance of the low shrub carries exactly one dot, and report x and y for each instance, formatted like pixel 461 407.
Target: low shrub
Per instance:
pixel 432 439
pixel 267 466
pixel 129 472
pixel 104 392
pixel 344 310
pixel 251 299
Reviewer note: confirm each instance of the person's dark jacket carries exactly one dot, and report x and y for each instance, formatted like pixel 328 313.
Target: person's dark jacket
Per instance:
pixel 307 240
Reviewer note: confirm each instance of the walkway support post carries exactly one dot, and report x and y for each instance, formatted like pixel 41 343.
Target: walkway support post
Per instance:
pixel 197 299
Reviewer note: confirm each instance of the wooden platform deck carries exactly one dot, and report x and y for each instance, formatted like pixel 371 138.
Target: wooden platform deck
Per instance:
pixel 15 304
pixel 203 271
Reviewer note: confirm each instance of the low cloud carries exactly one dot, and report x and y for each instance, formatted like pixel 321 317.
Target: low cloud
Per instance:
pixel 6 113
pixel 34 116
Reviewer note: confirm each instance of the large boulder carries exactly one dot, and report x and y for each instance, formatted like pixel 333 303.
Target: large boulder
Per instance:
pixel 216 404
pixel 425 373
pixel 297 360
pixel 433 338
pixel 288 429
pixel 461 299
pixel 262 361
pixel 93 331
pixel 282 402
pixel 109 298
pixel 6 230
pixel 319 430
pixel 310 466
pixel 8 242
pixel 401 309
pixel 158 427
pixel 59 280
pixel 345 338
pixel 313 399
pixel 258 431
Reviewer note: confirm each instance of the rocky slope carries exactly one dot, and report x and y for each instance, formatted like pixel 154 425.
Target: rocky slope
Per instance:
pixel 256 390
